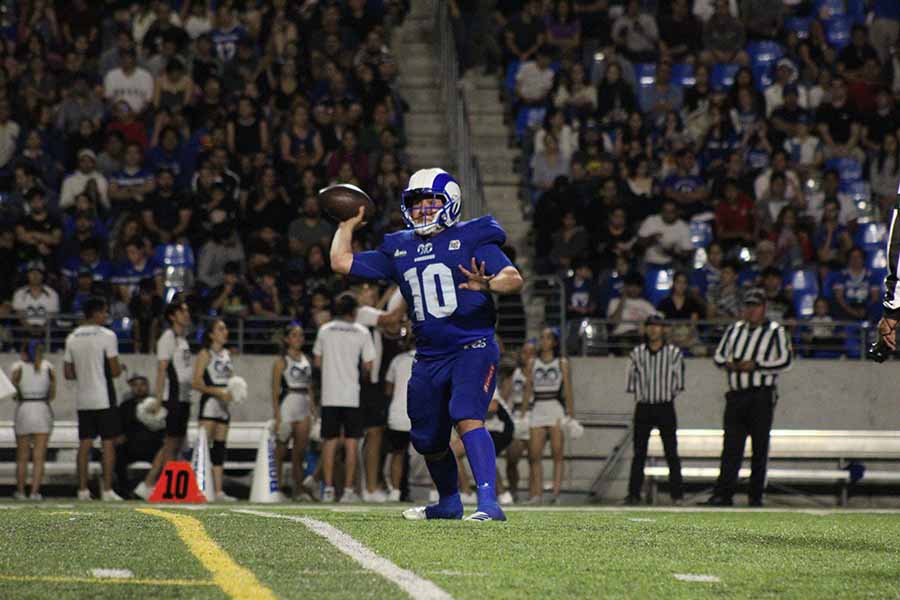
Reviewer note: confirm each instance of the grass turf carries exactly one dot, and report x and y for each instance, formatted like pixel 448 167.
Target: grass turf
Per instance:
pixel 536 554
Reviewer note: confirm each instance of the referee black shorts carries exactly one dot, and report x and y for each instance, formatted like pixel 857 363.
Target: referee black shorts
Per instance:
pixel 104 422
pixel 338 418
pixel 374 403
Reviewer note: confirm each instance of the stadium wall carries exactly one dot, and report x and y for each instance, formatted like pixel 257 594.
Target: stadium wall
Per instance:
pixel 813 395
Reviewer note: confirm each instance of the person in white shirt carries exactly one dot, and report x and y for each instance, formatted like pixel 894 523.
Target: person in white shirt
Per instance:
pixel 174 374
pixel 373 401
pixel 34 301
pixel 9 136
pixel 341 346
pixel 535 79
pixel 35 382
pixel 806 150
pixel 396 381
pixel 75 184
pixel 92 361
pixel 666 237
pixel 212 370
pixel 130 83
pixel 627 313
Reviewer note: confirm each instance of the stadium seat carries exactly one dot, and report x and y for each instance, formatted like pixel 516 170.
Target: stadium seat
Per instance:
pixel 828 284
pixel 876 261
pixel 527 119
pixel 825 9
pixel 799 25
pixel 837 31
pixel 701 234
pixel 848 169
pixel 123 328
pixel 802 280
pixel 177 262
pixel 764 52
pixel 871 237
pixel 803 304
pixel 762 76
pixel 722 75
pixel 683 74
pixel 657 284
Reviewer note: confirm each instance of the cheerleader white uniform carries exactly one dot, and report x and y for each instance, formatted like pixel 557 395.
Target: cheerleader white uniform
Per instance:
pixel 294 401
pixel 33 412
pixel 546 408
pixel 217 373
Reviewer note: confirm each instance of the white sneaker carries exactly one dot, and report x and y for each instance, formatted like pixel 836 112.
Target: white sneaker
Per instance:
pixel 349 497
pixel 416 513
pixel 468 497
pixel 142 490
pixel 328 493
pixel 280 497
pixel 223 497
pixel 394 496
pixel 377 497
pixel 312 487
pixel 36 497
pixel 505 499
pixel 19 496
pixel 110 496
pixel 433 496
pixel 84 494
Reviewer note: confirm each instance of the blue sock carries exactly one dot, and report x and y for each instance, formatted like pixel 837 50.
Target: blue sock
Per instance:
pixel 445 474
pixel 483 460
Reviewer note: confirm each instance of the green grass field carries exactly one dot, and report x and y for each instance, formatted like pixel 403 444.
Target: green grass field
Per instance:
pixel 50 551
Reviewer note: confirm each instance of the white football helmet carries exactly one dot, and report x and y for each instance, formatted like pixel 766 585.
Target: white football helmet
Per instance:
pixel 432 182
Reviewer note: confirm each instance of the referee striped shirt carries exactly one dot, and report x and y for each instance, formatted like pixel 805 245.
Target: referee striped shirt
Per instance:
pixel 768 345
pixel 656 377
pixel 892 279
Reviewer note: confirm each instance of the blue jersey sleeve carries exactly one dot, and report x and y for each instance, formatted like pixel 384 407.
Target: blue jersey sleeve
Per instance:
pixel 494 258
pixel 374 264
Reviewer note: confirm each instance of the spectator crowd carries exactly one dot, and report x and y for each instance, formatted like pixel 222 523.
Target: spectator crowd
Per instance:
pixel 151 148
pixel 678 153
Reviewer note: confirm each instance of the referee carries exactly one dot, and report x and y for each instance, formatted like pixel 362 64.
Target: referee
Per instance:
pixel 655 377
pixel 753 352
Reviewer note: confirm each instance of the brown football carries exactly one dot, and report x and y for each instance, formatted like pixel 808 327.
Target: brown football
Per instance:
pixel 342 201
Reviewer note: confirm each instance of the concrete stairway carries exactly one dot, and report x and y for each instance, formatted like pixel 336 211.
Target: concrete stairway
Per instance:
pixel 426 123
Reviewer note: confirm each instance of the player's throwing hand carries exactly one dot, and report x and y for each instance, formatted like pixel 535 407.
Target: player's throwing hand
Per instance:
pixel 354 222
pixel 477 280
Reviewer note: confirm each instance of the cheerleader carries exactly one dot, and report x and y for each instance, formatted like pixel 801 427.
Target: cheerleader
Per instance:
pixel 548 378
pixel 292 393
pixel 212 370
pixel 34 379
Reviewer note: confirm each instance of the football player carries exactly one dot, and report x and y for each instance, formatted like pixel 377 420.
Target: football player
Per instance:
pixel 447 271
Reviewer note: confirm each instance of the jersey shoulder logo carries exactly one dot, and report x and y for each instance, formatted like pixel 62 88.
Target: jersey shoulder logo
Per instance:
pixel 454 245
pixel 398 253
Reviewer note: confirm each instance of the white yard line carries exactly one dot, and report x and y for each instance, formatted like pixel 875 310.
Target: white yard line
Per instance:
pixel 697 578
pixel 417 587
pixel 112 573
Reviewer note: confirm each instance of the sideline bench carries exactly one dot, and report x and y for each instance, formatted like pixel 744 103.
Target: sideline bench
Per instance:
pixel 64 439
pixel 837 449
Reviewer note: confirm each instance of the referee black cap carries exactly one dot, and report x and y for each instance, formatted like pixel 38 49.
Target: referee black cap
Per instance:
pixel 755 296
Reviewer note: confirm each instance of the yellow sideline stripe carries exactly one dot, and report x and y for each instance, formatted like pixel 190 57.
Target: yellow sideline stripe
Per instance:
pixel 106 581
pixel 236 581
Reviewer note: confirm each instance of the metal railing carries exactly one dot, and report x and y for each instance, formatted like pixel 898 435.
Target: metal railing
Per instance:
pixel 588 336
pixel 541 303
pixel 465 165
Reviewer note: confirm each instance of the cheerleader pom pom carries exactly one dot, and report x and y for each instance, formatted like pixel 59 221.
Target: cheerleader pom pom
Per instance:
pixel 237 389
pixel 153 417
pixel 572 428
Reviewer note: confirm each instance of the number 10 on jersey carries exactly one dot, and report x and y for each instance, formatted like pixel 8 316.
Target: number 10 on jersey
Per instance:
pixel 425 286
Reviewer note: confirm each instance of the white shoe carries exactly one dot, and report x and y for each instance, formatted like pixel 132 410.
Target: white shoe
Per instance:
pixel 505 499
pixel 280 497
pixel 223 497
pixel 468 498
pixel 36 497
pixel 377 497
pixel 394 496
pixel 349 497
pixel 416 513
pixel 311 486
pixel 110 496
pixel 142 490
pixel 433 496
pixel 328 493
pixel 479 517
pixel 84 494
pixel 19 496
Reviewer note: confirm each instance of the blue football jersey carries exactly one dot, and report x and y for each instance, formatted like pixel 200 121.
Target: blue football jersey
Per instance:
pixel 444 317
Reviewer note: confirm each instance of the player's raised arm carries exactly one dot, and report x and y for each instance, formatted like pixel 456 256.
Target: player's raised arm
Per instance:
pixel 341 254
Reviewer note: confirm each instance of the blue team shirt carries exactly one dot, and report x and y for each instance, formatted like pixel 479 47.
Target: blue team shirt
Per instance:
pixel 130 276
pixel 444 317
pixel 226 42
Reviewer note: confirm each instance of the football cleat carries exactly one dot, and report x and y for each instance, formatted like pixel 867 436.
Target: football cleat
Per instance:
pixel 494 513
pixel 448 508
